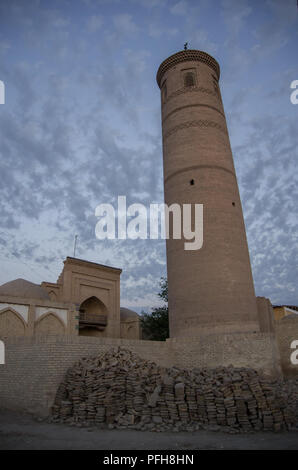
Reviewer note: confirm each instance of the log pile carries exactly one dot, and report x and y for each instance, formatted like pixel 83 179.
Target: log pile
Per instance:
pixel 122 390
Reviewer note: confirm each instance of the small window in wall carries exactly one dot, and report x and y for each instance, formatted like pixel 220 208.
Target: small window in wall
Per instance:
pixel 53 296
pixel 189 79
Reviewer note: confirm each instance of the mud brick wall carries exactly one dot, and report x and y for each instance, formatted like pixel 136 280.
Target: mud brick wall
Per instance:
pixel 35 367
pixel 256 350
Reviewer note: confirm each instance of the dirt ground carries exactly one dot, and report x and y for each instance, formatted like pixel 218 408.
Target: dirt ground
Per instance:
pixel 22 431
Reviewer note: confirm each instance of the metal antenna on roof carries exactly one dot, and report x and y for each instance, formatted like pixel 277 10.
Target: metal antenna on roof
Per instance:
pixel 75 245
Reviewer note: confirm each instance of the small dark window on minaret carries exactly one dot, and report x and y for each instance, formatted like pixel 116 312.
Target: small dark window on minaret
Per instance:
pixel 192 182
pixel 189 79
pixel 233 203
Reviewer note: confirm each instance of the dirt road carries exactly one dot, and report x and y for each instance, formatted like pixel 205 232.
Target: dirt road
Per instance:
pixel 19 431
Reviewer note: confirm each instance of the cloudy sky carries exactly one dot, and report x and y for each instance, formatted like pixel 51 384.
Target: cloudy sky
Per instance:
pixel 81 125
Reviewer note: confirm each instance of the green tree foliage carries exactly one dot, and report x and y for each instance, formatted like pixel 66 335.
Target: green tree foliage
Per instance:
pixel 155 325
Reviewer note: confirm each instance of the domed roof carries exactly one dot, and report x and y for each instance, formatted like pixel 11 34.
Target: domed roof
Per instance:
pixel 126 313
pixel 23 288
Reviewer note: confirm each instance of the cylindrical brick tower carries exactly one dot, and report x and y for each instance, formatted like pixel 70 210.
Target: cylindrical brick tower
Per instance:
pixel 211 289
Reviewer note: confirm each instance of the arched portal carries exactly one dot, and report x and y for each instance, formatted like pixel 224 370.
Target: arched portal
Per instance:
pixel 93 317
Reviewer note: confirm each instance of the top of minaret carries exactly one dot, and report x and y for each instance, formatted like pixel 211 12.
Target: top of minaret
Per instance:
pixel 187 55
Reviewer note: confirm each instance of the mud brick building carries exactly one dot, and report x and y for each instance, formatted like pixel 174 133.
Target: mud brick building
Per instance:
pixel 85 301
pixel 215 318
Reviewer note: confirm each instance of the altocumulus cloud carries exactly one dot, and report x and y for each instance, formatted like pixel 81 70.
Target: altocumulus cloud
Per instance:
pixel 81 125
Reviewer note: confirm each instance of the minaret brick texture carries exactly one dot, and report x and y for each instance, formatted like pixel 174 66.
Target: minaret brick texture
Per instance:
pixel 211 289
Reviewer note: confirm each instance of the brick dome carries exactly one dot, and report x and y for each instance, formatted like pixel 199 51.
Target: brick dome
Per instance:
pixel 126 313
pixel 24 289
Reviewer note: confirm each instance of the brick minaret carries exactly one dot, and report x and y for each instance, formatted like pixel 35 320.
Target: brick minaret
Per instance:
pixel 210 290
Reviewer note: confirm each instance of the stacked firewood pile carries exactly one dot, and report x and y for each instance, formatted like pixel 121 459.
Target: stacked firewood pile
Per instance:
pixel 122 390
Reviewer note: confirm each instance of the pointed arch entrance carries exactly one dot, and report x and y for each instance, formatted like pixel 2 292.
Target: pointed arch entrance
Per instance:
pixel 93 317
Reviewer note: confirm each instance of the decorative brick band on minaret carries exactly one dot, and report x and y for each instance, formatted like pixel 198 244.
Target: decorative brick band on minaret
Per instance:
pixel 186 56
pixel 211 289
